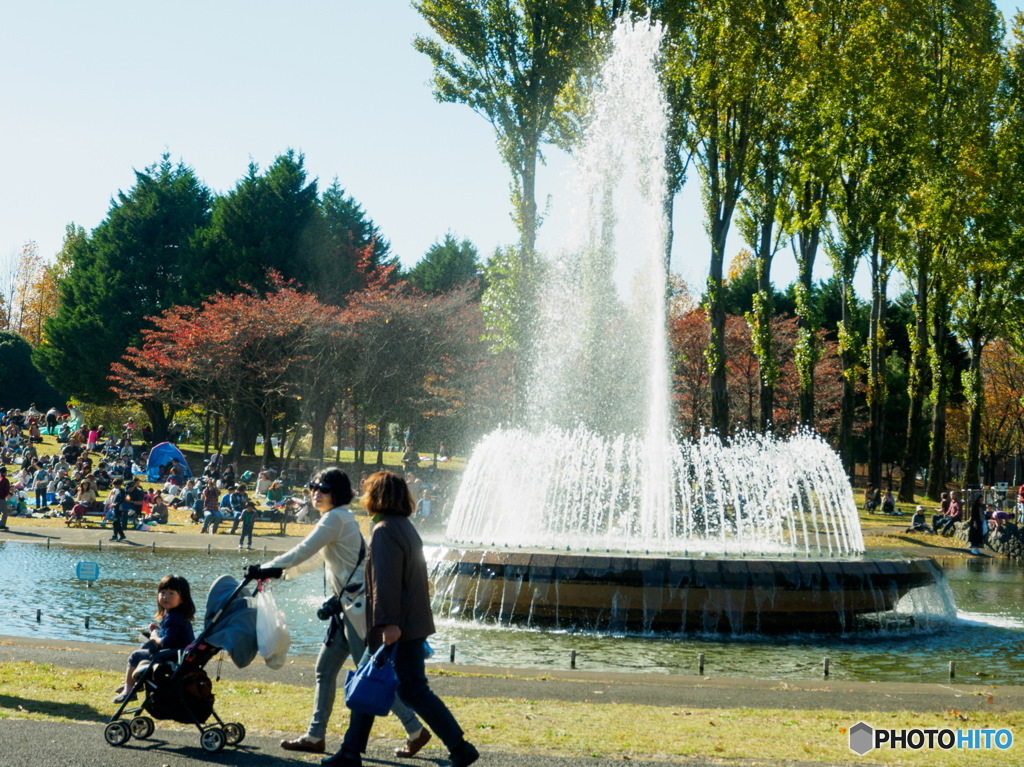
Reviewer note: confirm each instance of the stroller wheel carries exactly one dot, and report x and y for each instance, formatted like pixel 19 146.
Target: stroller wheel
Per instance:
pixel 141 727
pixel 212 740
pixel 116 733
pixel 234 733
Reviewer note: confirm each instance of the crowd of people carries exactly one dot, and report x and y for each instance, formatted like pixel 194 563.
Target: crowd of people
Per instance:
pixel 66 483
pixel 95 473
pixel 987 509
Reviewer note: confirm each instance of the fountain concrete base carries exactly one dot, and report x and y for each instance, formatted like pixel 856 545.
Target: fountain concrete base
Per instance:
pixel 616 592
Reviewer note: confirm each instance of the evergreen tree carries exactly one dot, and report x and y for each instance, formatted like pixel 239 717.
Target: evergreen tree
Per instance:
pixel 21 383
pixel 261 225
pixel 341 245
pixel 446 265
pixel 138 261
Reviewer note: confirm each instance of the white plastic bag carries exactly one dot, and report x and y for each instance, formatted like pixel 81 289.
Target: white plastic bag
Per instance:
pixel 272 637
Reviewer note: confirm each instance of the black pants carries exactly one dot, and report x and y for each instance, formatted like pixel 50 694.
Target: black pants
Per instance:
pixel 120 522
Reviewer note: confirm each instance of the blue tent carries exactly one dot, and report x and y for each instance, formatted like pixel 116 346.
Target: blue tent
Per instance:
pixel 161 455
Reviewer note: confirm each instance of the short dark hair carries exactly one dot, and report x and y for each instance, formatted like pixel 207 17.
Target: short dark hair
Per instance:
pixel 339 484
pixel 387 493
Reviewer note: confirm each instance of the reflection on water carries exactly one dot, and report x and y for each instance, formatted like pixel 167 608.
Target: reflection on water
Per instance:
pixel 986 640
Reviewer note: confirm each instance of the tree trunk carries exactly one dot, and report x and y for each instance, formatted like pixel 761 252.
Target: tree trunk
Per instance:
pixel 206 434
pixel 808 238
pixel 159 418
pixel 848 356
pixel 877 364
pixel 716 320
pixel 764 307
pixel 917 388
pixel 245 425
pixel 268 439
pixel 976 402
pixel 340 436
pixel 806 350
pixel 318 432
pixel 940 395
pixel 381 426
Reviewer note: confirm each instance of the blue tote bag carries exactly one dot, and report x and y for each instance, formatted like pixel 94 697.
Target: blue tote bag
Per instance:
pixel 371 688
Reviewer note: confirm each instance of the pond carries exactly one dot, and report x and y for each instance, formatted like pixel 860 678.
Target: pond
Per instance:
pixel 986 639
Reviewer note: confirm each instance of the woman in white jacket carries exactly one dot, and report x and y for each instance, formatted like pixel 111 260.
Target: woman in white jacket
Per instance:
pixel 336 543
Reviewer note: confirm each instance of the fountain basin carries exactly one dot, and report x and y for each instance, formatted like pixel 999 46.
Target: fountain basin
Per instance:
pixel 643 593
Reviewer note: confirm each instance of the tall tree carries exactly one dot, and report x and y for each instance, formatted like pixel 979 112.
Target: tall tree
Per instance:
pixel 512 62
pixel 723 62
pixel 138 261
pixel 956 43
pixel 21 383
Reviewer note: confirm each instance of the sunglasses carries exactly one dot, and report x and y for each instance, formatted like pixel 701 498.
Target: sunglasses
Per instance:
pixel 321 486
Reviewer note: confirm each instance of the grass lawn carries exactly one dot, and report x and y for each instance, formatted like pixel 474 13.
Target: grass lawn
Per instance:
pixel 52 693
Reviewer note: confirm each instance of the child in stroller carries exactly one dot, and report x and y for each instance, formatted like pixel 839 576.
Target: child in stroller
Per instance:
pixel 174 682
pixel 175 611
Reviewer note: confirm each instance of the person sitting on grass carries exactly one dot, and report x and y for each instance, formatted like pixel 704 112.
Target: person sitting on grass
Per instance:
pixel 888 502
pixel 947 523
pixel 917 522
pixel 158 511
pixel 870 499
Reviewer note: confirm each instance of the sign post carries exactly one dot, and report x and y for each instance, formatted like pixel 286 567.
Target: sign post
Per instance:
pixel 88 572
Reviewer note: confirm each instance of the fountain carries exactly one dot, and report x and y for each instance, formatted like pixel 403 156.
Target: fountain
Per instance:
pixel 593 514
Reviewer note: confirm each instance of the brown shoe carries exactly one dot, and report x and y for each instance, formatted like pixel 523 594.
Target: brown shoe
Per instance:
pixel 413 745
pixel 304 743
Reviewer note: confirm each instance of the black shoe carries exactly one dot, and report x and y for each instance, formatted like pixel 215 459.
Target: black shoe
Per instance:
pixel 464 755
pixel 341 760
pixel 113 538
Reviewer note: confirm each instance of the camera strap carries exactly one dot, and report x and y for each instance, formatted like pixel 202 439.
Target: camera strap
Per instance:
pixel 335 624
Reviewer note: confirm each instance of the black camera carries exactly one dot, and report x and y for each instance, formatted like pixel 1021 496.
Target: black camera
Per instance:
pixel 329 609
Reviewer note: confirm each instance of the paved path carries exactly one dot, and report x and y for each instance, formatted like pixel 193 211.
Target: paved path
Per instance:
pixel 38 744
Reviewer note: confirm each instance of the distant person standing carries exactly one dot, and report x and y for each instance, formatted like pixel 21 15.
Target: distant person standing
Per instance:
pixel 5 493
pixel 248 520
pixel 119 508
pixel 976 525
pixel 52 416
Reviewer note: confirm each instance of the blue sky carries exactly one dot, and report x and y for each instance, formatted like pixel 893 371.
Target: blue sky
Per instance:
pixel 95 90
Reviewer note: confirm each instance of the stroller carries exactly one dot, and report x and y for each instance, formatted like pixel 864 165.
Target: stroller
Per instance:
pixel 175 685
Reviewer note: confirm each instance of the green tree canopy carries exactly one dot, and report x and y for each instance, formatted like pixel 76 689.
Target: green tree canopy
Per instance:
pixel 260 225
pixel 138 261
pixel 446 265
pixel 21 383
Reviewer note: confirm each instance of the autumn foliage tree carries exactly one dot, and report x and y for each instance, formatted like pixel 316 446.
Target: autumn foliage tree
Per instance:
pixel 239 355
pixel 260 359
pixel 689 331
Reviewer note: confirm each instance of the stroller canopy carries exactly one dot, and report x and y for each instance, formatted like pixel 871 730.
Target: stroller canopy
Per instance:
pixel 161 455
pixel 235 629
